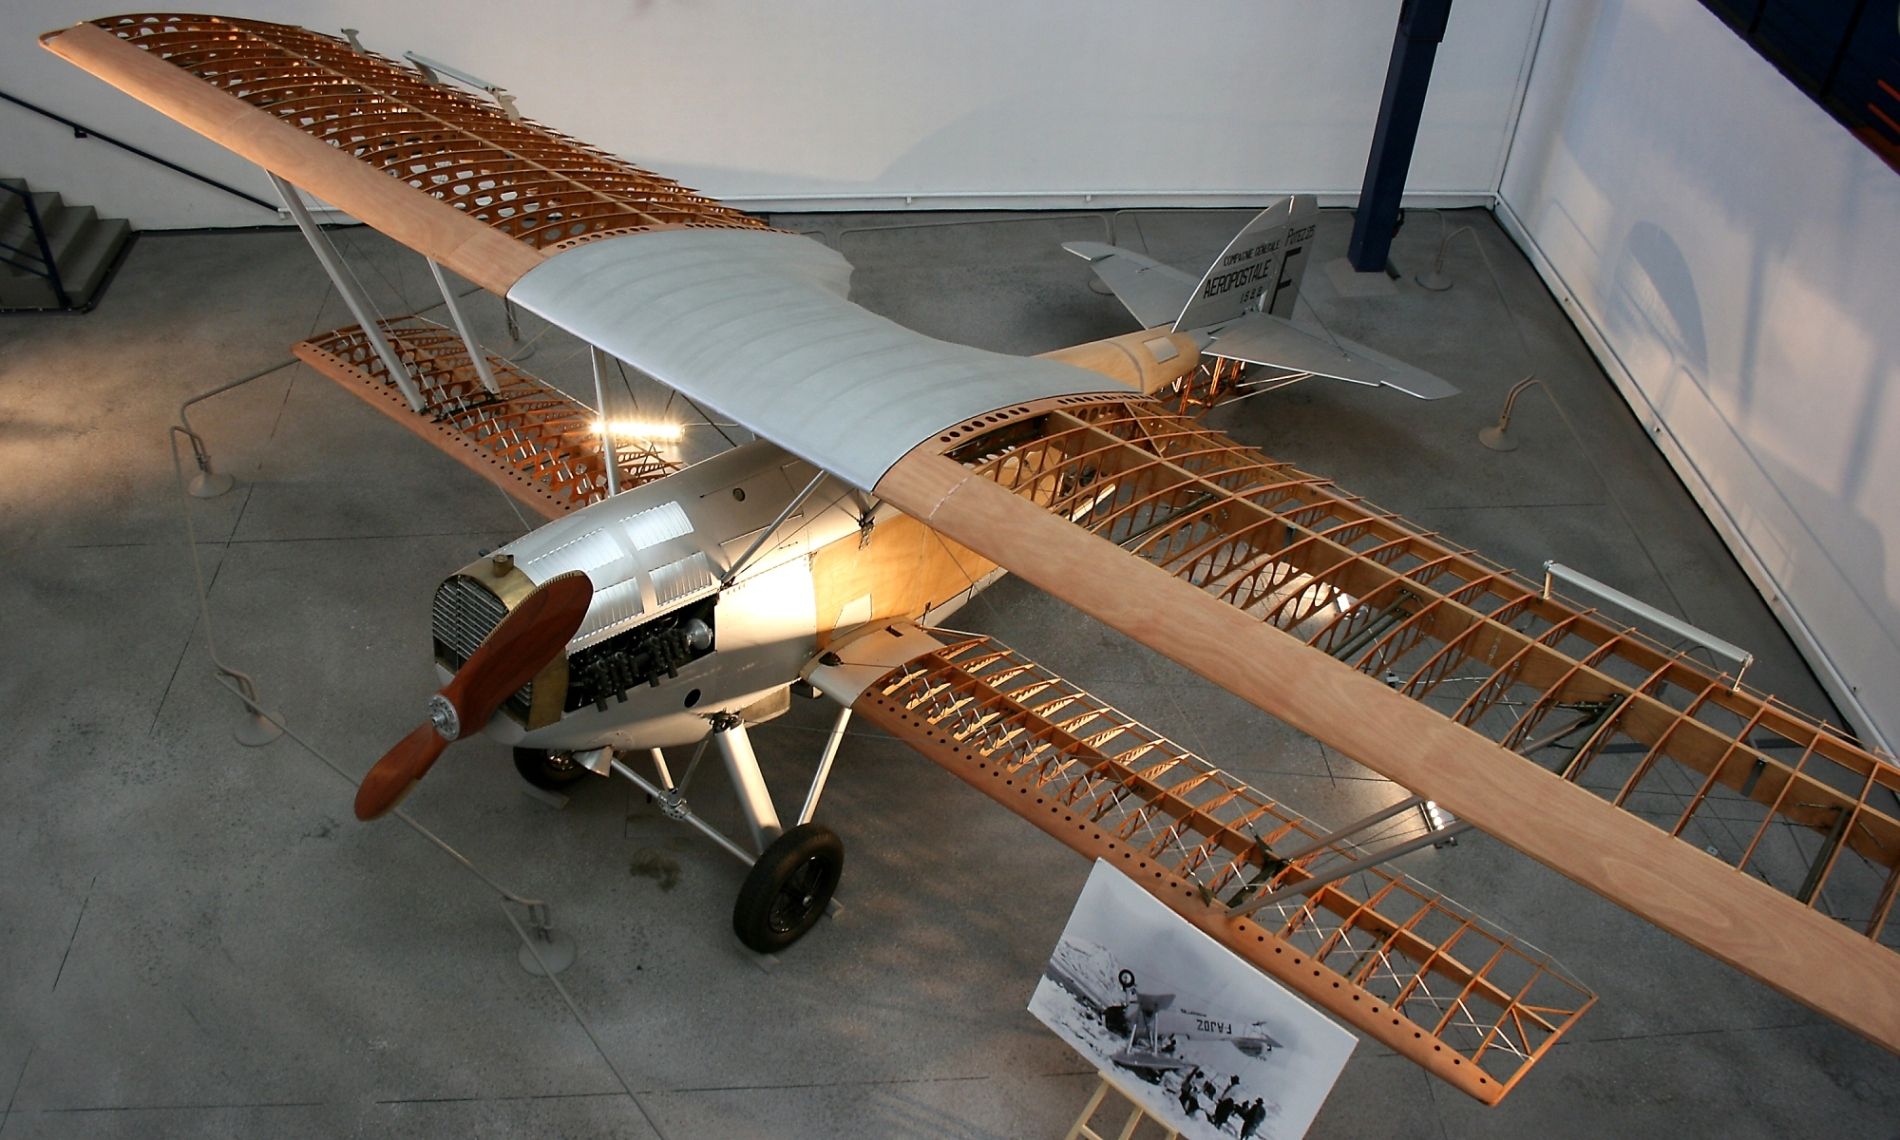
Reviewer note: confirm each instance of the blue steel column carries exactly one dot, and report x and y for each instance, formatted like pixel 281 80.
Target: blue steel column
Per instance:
pixel 1407 77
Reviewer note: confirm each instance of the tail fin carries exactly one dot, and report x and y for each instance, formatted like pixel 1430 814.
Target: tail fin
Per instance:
pixel 1242 307
pixel 1259 271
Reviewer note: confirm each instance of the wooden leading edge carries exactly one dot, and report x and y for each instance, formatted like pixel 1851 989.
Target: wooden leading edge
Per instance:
pixel 531 440
pixel 1390 957
pixel 449 175
pixel 1755 834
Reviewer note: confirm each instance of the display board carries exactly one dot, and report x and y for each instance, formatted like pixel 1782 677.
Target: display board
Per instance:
pixel 1201 1040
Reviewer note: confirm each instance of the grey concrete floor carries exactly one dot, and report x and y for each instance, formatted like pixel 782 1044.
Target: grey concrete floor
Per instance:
pixel 198 939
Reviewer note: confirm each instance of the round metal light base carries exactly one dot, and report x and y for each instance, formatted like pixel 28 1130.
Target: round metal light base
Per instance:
pixel 1437 280
pixel 209 484
pixel 255 732
pixel 556 952
pixel 1497 439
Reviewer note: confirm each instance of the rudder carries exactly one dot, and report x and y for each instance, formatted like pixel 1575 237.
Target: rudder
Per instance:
pixel 1260 269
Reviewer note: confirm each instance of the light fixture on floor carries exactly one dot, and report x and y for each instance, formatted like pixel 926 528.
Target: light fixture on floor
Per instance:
pixel 1435 278
pixel 207 483
pixel 256 729
pixel 1497 436
pixel 1439 822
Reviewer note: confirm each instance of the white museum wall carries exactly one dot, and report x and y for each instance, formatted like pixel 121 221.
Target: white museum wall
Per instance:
pixel 1730 252
pixel 865 103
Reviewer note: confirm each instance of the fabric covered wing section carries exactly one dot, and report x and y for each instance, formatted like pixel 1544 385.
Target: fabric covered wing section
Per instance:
pixel 1387 955
pixel 1760 836
pixel 757 327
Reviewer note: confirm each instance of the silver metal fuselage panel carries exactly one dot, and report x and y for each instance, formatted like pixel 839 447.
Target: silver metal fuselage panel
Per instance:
pixel 756 326
pixel 767 621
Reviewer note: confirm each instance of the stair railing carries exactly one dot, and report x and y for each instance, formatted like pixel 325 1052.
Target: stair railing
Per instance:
pixel 25 259
pixel 81 131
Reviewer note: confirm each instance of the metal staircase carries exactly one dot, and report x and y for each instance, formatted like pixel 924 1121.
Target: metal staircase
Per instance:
pixel 54 256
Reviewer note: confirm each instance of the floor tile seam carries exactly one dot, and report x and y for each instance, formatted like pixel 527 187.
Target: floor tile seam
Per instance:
pixel 1193 723
pixel 1604 502
pixel 483 533
pixel 1438 1108
pixel 184 651
pixel 868 1083
pixel 615 1093
pixel 6 1114
pixel 227 543
pixel 73 938
pixel 1776 1027
pixel 85 1109
pixel 283 405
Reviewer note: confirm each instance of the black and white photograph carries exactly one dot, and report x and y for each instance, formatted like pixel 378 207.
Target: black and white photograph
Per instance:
pixel 1198 1038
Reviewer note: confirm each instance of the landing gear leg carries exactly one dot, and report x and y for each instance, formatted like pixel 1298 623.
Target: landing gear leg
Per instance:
pixel 792 881
pixel 742 764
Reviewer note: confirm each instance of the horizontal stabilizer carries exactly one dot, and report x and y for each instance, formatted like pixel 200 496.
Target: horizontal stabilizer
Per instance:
pixel 1259 338
pixel 1153 292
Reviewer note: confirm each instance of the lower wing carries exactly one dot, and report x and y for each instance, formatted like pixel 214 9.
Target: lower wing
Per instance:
pixel 1394 959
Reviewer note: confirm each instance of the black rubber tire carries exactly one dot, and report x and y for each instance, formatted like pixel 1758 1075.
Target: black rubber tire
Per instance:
pixel 786 892
pixel 545 771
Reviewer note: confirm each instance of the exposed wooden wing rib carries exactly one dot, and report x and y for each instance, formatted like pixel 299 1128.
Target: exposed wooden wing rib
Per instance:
pixel 1765 839
pixel 1396 960
pixel 447 174
pixel 531 440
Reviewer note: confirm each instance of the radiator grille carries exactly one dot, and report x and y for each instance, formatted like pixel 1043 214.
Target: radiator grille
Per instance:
pixel 465 612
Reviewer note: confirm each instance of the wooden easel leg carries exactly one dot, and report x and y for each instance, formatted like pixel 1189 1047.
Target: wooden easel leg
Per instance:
pixel 1081 1129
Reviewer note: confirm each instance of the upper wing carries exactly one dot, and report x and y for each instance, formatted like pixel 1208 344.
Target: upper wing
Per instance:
pixel 1751 832
pixel 1396 960
pixel 749 322
pixel 449 176
pixel 756 327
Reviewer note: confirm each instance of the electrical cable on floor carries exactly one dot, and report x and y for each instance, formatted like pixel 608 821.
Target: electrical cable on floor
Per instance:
pixel 586 1026
pixel 1589 455
pixel 245 690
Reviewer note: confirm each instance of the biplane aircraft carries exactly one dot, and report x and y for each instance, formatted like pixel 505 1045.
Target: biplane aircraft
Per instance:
pixel 894 475
pixel 1150 1027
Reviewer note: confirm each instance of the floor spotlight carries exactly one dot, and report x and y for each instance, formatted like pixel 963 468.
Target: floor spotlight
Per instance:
pixel 1497 436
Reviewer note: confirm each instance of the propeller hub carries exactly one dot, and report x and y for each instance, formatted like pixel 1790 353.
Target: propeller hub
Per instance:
pixel 442 714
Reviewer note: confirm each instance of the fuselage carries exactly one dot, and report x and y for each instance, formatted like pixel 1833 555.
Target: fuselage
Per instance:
pixel 714 586
pixel 663 555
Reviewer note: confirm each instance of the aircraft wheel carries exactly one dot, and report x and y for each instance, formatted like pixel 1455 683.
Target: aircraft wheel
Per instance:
pixel 546 770
pixel 787 889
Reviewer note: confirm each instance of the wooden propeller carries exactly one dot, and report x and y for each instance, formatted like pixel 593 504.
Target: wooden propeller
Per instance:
pixel 508 658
